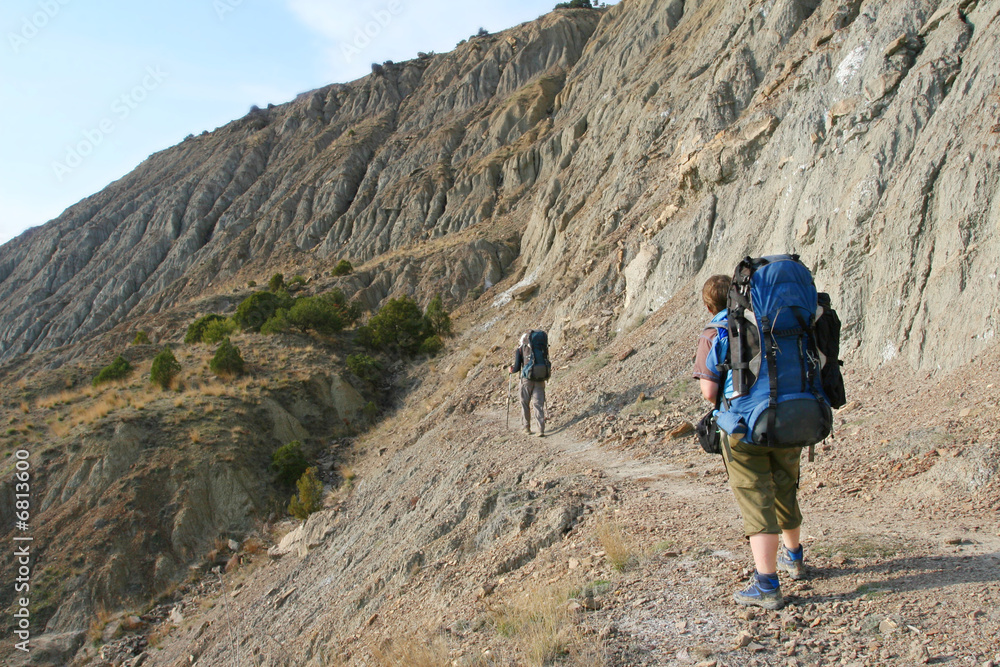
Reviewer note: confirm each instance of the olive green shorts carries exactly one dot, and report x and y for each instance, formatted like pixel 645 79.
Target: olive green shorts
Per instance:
pixel 765 481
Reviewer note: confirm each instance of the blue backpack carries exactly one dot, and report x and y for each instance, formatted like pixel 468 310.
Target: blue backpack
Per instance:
pixel 778 398
pixel 535 356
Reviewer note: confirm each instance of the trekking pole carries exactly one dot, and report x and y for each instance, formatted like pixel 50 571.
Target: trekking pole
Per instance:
pixel 508 401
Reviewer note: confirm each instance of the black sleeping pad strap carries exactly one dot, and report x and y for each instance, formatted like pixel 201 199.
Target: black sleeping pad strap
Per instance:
pixel 814 349
pixel 772 376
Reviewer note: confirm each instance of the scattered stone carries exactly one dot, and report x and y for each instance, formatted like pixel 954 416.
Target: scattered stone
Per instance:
pixel 895 46
pixel 683 429
pixel 844 107
pixel 822 38
pixel 233 563
pixel 700 652
pixel 888 626
pixel 743 639
pixel 175 616
pixel 283 598
pixel 919 654
pixel 625 355
pixel 524 292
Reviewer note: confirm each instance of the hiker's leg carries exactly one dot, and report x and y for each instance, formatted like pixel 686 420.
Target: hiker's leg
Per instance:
pixel 791 537
pixel 526 403
pixel 765 552
pixel 785 466
pixel 750 479
pixel 539 405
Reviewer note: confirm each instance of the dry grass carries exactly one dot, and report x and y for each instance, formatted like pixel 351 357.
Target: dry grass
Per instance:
pixel 540 622
pixel 156 637
pixel 25 408
pixel 619 549
pixel 254 546
pixel 195 436
pixel 412 652
pixel 214 389
pixel 105 402
pixel 61 428
pixel 97 624
pixel 100 408
pixel 65 397
pixel 468 362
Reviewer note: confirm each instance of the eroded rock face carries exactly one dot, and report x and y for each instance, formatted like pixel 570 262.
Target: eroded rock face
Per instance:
pixel 348 171
pixel 633 150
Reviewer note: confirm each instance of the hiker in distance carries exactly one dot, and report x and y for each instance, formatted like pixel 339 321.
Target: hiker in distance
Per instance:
pixel 773 405
pixel 531 360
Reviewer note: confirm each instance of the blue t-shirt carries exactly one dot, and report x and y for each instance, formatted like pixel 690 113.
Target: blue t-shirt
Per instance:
pixel 720 351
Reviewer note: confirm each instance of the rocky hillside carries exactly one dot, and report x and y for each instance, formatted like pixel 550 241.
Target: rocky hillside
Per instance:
pixel 584 172
pixel 625 148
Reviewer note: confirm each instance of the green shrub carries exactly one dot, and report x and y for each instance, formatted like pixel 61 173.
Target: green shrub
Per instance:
pixel 258 308
pixel 324 314
pixel 227 360
pixel 196 330
pixel 165 368
pixel 310 496
pixel 217 330
pixel 365 367
pixel 116 370
pixel 431 345
pixel 342 268
pixel 276 282
pixel 438 320
pixel 398 325
pixel 370 410
pixel 297 280
pixel 277 323
pixel 575 4
pixel 251 283
pixel 289 463
pixel 141 338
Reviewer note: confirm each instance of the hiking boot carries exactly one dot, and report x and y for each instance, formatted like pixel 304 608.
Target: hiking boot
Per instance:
pixel 527 430
pixel 541 434
pixel 792 562
pixel 760 593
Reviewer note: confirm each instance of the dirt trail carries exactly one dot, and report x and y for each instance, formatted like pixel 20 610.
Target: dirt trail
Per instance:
pixel 891 583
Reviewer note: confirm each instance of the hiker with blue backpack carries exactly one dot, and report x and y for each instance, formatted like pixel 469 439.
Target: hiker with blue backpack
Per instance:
pixel 531 361
pixel 776 355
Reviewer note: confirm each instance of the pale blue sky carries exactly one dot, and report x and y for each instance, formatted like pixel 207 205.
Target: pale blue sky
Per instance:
pixel 121 80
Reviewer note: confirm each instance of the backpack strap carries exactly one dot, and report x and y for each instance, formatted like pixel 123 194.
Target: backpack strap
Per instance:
pixel 767 341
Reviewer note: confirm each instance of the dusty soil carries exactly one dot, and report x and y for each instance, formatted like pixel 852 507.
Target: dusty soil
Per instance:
pixel 902 540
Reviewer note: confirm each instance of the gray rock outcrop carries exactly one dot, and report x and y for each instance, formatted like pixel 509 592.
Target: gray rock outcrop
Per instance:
pixel 654 141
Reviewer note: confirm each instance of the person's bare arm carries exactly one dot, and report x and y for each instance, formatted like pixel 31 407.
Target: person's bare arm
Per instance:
pixel 709 388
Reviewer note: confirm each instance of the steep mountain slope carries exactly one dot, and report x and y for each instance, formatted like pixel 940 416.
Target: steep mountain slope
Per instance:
pixel 859 134
pixel 597 163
